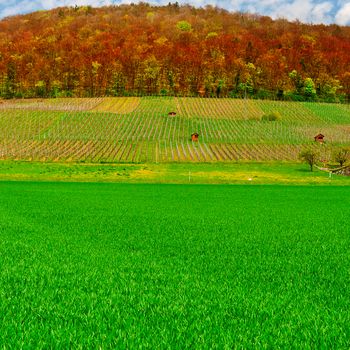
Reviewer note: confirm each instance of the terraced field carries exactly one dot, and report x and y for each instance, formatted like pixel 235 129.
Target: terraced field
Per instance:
pixel 133 129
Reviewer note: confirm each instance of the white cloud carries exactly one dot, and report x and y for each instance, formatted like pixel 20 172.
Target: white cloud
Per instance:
pixel 95 3
pixel 310 11
pixel 342 17
pixel 321 13
pixel 303 10
pixel 299 9
pixel 17 8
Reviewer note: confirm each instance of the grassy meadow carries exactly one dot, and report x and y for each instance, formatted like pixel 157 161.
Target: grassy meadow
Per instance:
pixel 252 173
pixel 114 266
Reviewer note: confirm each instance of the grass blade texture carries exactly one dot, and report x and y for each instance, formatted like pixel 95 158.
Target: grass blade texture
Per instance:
pixel 171 266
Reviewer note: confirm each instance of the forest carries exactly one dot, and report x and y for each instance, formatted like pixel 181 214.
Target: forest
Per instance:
pixel 176 49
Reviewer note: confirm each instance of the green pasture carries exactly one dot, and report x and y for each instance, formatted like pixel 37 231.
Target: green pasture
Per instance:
pixel 253 173
pixel 116 266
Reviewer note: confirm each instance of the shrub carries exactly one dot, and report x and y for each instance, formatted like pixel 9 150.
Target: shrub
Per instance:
pixel 292 96
pixel 273 116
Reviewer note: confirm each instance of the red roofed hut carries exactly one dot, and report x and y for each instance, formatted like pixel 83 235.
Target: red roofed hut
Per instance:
pixel 171 114
pixel 319 138
pixel 201 92
pixel 194 137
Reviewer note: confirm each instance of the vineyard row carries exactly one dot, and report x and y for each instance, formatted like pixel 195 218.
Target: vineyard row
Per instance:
pixel 139 152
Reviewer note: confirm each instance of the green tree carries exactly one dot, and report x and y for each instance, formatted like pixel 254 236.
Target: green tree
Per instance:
pixel 40 88
pixel 309 88
pixel 327 87
pixel 310 157
pixel 297 81
pixel 341 156
pixel 10 80
pixel 184 26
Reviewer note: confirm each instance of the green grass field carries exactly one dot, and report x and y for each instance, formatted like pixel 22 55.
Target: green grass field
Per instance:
pixel 139 130
pixel 116 266
pixel 174 173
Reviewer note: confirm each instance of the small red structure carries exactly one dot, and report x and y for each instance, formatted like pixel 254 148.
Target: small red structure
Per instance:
pixel 172 114
pixel 201 92
pixel 319 138
pixel 194 137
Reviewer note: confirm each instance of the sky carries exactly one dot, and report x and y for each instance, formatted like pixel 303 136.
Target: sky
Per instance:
pixel 307 11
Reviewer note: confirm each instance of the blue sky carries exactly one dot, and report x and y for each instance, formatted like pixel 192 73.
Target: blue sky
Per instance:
pixel 308 11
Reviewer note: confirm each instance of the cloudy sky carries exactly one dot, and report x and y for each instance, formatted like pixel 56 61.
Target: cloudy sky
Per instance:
pixel 309 11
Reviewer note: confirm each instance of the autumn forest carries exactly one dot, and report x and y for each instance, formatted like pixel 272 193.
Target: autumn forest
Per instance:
pixel 171 50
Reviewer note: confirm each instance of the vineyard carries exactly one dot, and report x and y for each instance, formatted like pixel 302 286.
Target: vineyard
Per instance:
pixel 140 129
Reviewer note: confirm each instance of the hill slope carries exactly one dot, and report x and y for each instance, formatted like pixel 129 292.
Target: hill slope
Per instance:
pixel 141 129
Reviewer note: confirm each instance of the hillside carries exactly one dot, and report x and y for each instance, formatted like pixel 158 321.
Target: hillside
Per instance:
pixel 133 129
pixel 182 50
